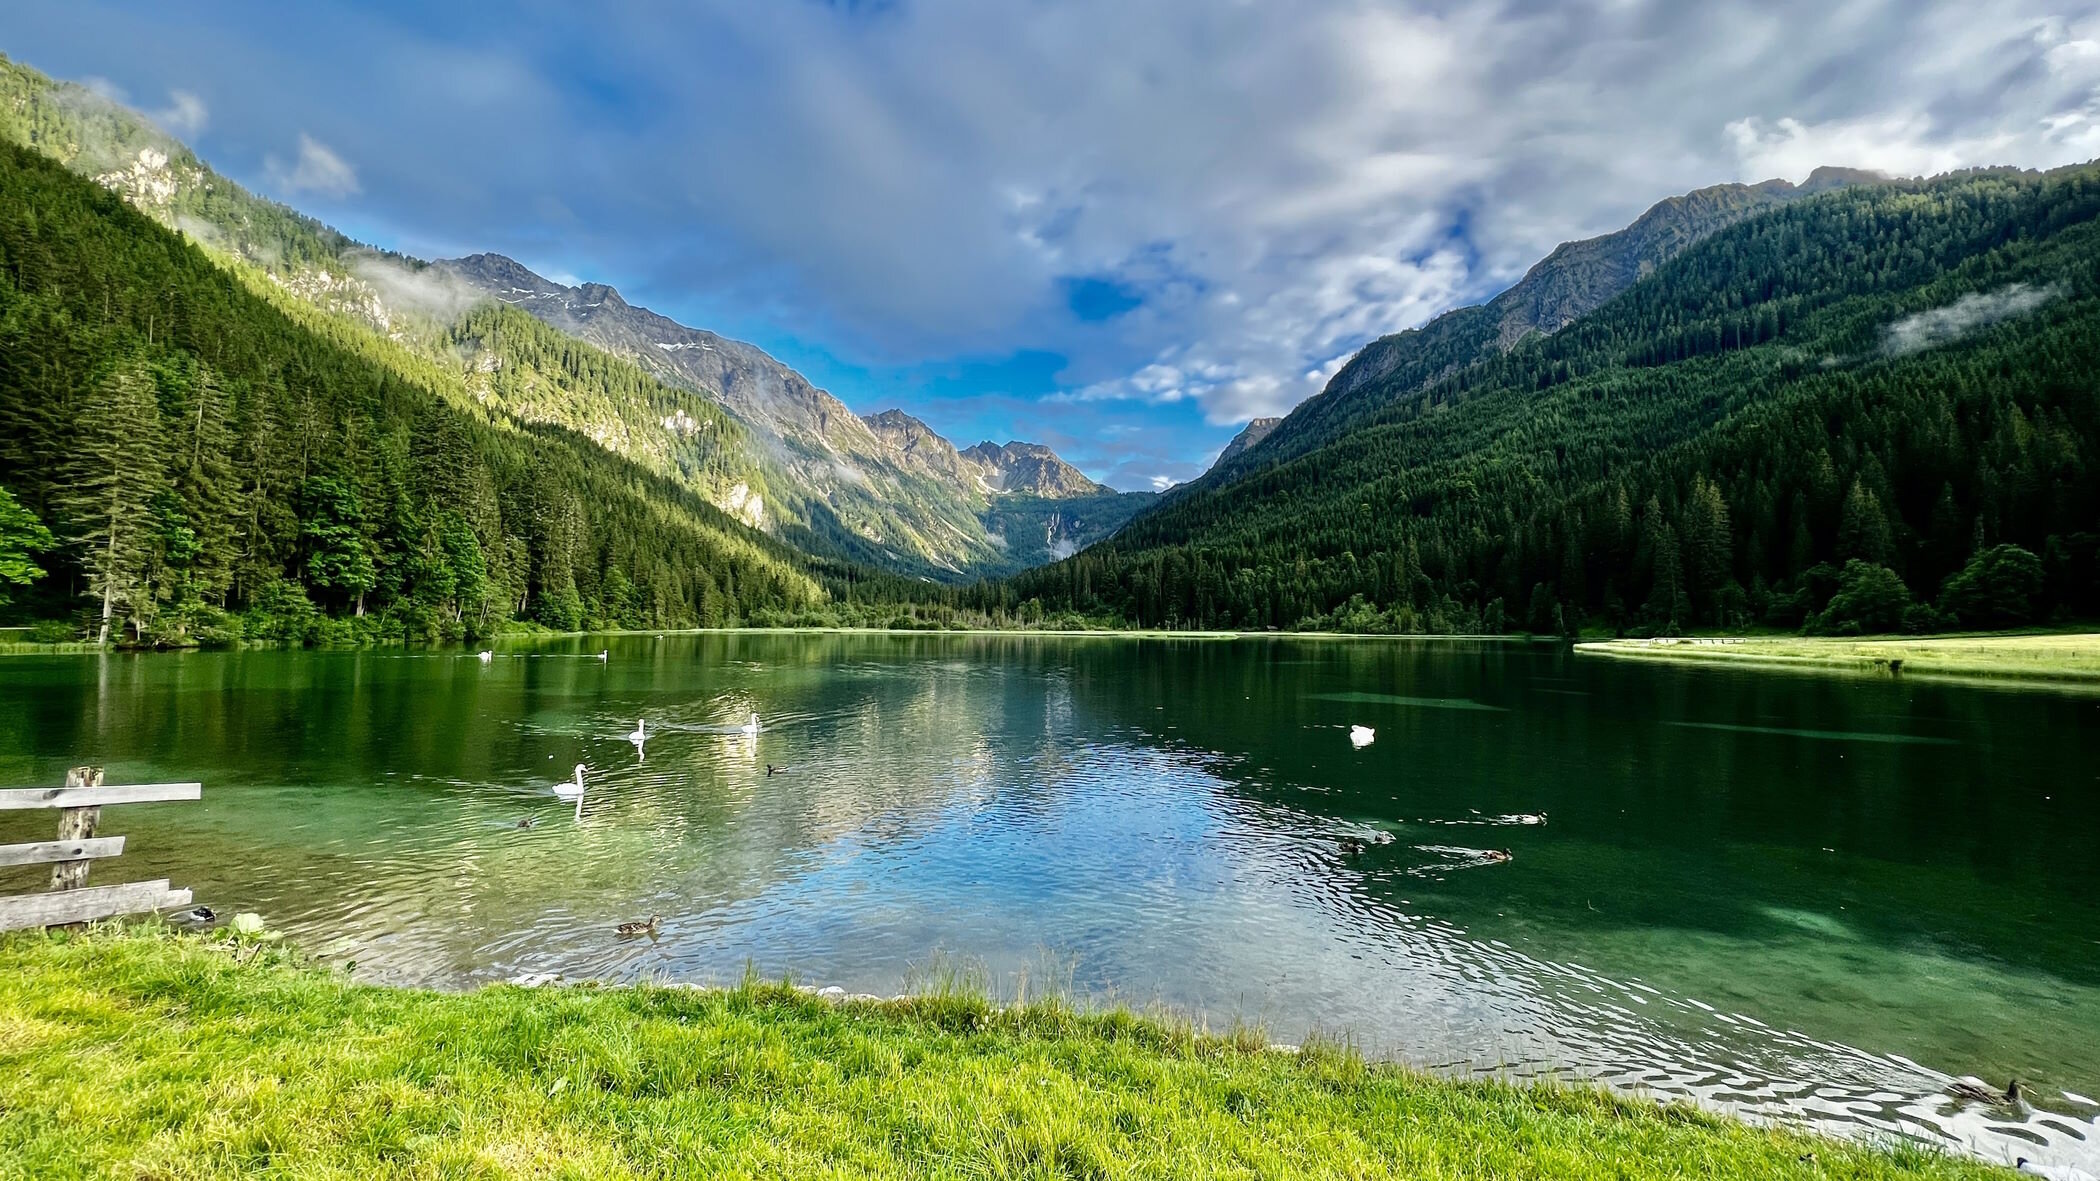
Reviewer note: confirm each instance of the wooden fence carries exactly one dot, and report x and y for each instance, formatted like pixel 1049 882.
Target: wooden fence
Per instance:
pixel 70 899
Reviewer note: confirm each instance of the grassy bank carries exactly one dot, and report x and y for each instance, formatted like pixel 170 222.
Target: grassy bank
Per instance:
pixel 2054 657
pixel 139 1054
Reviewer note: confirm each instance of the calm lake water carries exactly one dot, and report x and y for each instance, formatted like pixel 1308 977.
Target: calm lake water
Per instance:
pixel 1803 897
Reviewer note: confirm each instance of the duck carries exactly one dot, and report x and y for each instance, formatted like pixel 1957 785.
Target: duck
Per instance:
pixel 2054 1172
pixel 648 928
pixel 571 790
pixel 486 656
pixel 528 822
pixel 1974 1091
pixel 1361 735
pixel 1498 856
pixel 751 727
pixel 196 914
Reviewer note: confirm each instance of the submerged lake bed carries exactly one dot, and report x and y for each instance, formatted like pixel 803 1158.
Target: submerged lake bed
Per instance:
pixel 1792 897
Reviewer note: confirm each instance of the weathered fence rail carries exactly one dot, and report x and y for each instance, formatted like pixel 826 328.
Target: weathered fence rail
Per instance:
pixel 79 804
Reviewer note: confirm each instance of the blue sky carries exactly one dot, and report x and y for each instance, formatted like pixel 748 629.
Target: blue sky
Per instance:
pixel 1120 229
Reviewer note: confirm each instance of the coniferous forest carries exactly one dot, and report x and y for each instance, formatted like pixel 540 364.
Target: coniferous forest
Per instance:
pixel 187 461
pixel 1875 410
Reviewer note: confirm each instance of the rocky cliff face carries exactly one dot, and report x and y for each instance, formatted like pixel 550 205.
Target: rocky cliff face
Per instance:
pixel 1029 469
pixel 1256 430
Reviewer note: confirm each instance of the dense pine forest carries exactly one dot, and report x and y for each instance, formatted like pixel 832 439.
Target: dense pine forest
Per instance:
pixel 184 460
pixel 1874 410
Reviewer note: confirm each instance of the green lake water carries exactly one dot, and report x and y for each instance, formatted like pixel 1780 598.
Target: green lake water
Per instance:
pixel 1798 897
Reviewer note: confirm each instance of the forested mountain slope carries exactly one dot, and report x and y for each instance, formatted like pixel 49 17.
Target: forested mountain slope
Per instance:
pixel 1577 278
pixel 885 490
pixel 1902 376
pixel 717 416
pixel 206 454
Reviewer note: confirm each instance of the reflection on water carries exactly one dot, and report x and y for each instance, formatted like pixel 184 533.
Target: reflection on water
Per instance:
pixel 1794 898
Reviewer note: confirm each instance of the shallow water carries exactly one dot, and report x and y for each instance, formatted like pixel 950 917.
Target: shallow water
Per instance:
pixel 1791 896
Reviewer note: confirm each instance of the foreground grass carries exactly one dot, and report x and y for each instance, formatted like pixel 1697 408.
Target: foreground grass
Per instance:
pixel 138 1054
pixel 2058 657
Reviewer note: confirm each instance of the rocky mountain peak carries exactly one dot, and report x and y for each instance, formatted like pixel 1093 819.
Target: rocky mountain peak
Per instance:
pixel 1256 430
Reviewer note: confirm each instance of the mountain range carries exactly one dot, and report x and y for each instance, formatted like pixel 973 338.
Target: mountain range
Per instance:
pixel 803 466
pixel 1758 403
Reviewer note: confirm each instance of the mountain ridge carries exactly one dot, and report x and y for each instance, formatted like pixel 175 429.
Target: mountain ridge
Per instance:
pixel 1574 278
pixel 810 471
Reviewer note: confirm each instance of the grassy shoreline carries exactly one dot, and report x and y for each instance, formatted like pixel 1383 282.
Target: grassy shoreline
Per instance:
pixel 2062 658
pixel 137 1053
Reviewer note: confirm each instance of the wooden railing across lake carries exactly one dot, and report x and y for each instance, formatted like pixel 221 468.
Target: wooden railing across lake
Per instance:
pixel 70 899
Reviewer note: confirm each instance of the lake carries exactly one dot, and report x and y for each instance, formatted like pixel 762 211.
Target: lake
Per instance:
pixel 1791 896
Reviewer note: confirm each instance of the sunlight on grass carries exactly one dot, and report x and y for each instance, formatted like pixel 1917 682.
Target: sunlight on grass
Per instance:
pixel 2054 657
pixel 139 1054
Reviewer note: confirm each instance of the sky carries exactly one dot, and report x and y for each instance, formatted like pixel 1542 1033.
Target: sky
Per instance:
pixel 1119 227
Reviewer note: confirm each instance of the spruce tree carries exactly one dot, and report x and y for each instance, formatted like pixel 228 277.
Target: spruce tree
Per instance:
pixel 113 472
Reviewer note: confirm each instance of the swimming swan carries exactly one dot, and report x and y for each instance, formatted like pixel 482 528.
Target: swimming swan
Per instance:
pixel 751 727
pixel 487 656
pixel 604 655
pixel 641 732
pixel 1361 735
pixel 571 791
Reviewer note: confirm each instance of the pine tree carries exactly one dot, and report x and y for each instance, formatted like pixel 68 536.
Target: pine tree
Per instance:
pixel 1709 544
pixel 1863 531
pixel 113 473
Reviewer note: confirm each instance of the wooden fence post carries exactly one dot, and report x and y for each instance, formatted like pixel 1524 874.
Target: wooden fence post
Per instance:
pixel 76 824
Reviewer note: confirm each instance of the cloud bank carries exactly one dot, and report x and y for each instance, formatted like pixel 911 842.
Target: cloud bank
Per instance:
pixel 1201 208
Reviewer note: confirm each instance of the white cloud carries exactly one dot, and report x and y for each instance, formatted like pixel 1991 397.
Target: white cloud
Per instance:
pixel 1944 325
pixel 318 170
pixel 184 116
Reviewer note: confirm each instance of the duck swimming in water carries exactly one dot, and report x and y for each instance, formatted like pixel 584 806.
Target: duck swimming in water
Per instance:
pixel 631 929
pixel 1975 1092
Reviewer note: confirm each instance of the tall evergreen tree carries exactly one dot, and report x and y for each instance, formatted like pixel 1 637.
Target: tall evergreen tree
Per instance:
pixel 114 472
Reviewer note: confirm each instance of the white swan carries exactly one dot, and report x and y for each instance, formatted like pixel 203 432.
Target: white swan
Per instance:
pixel 641 732
pixel 487 656
pixel 604 655
pixel 1361 735
pixel 571 790
pixel 751 727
